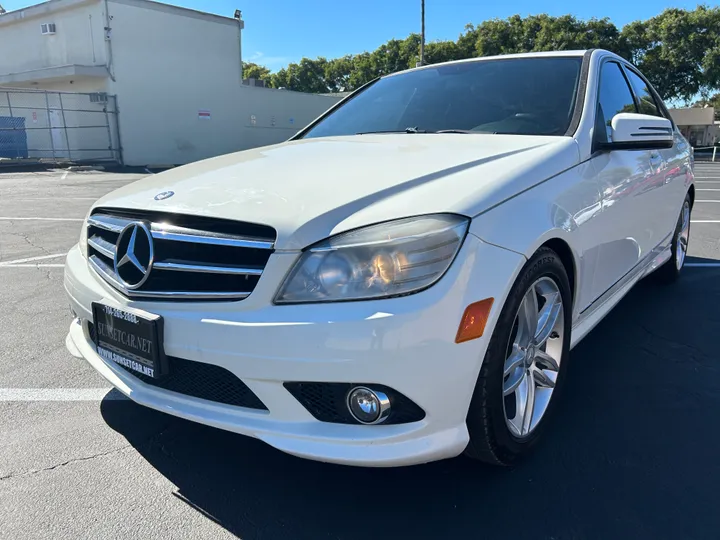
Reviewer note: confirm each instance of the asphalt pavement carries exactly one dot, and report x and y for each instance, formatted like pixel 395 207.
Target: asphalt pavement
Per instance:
pixel 631 454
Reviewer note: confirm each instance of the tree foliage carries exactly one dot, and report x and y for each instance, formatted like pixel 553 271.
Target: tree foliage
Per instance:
pixel 254 71
pixel 678 50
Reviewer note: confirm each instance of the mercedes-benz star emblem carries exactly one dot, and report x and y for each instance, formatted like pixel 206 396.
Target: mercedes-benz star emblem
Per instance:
pixel 164 195
pixel 134 255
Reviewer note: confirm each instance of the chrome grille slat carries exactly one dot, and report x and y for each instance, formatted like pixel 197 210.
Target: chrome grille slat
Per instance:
pixel 192 236
pixel 206 269
pixel 106 248
pixel 102 268
pixel 222 262
pixel 108 223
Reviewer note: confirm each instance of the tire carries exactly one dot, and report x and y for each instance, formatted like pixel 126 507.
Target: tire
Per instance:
pixel 670 271
pixel 496 432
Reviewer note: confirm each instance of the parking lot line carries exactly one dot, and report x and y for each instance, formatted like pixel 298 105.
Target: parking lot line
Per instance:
pixel 708 189
pixel 705 221
pixel 58 394
pixel 703 265
pixel 707 200
pixel 57 199
pixel 37 265
pixel 39 219
pixel 31 259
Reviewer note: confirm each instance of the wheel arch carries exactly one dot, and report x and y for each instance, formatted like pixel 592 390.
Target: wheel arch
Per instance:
pixel 563 250
pixel 691 192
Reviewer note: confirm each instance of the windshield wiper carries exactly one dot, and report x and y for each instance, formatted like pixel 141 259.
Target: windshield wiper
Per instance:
pixel 406 130
pixel 455 131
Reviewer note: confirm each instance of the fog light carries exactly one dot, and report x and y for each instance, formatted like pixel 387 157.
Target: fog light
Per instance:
pixel 368 406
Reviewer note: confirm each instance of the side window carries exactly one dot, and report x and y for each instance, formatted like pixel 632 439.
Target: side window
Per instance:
pixel 647 102
pixel 614 97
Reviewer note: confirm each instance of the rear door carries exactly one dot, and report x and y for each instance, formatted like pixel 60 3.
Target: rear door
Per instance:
pixel 623 177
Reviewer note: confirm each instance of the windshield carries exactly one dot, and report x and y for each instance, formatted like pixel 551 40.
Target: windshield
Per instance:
pixel 527 96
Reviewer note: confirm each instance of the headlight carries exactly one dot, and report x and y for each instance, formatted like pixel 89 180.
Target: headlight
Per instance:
pixel 388 259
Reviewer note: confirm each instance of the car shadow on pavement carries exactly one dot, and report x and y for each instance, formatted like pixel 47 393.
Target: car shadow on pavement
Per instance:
pixel 632 452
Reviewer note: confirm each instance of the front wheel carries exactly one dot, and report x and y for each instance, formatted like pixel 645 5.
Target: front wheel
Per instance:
pixel 670 271
pixel 524 365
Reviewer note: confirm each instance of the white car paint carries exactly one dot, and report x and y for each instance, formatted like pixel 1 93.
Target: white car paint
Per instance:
pixel 520 191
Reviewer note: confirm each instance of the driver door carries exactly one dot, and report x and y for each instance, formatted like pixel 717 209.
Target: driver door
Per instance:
pixel 626 229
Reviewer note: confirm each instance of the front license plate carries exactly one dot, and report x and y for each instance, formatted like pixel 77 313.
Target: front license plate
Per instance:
pixel 129 339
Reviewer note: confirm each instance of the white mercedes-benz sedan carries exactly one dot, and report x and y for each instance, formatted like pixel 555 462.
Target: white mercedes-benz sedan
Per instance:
pixel 404 279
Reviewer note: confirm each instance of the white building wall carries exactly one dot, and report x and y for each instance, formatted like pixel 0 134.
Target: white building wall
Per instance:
pixel 169 66
pixel 271 116
pixel 79 38
pixel 177 76
pixel 175 67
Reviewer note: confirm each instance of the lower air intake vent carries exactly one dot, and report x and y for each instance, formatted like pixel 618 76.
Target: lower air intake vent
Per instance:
pixel 200 380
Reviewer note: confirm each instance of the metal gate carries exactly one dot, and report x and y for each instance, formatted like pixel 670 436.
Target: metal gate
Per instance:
pixel 58 127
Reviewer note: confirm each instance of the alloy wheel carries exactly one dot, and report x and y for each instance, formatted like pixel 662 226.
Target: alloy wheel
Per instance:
pixel 683 236
pixel 533 358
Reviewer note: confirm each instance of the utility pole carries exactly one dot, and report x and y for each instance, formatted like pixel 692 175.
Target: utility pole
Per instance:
pixel 422 34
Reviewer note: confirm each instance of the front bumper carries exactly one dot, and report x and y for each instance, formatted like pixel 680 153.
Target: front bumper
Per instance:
pixel 404 343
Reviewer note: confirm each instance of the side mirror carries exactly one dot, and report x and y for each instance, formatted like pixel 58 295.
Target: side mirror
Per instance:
pixel 639 132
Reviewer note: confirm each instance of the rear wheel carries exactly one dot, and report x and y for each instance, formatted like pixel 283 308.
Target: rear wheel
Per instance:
pixel 670 271
pixel 524 364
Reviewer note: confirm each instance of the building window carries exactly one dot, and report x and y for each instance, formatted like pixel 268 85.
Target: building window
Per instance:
pixel 47 28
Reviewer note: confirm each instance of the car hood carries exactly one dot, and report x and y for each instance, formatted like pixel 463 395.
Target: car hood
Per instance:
pixel 310 189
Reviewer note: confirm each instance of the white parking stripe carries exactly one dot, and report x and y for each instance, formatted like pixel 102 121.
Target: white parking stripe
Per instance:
pixel 708 189
pixel 39 219
pixel 707 200
pixel 31 259
pixel 58 394
pixel 55 199
pixel 705 221
pixel 38 265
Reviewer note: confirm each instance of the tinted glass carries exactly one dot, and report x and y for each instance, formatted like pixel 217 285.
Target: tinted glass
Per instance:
pixel 647 102
pixel 614 98
pixel 533 96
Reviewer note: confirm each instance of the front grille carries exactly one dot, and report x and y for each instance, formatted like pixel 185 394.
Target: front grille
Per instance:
pixel 195 257
pixel 200 380
pixel 327 402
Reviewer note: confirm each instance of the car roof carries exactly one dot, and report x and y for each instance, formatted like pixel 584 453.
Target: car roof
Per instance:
pixel 542 54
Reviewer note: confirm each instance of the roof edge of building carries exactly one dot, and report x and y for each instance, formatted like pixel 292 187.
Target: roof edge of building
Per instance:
pixel 54 6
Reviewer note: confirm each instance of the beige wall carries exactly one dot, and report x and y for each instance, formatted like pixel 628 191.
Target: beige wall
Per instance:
pixel 170 65
pixel 693 116
pixel 271 116
pixel 79 38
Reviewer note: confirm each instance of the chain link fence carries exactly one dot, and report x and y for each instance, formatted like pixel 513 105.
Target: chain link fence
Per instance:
pixel 58 127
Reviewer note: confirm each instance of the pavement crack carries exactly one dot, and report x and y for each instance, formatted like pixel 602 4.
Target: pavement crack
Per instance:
pixel 32 472
pixel 26 238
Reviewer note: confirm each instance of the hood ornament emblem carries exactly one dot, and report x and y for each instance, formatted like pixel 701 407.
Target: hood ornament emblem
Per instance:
pixel 164 195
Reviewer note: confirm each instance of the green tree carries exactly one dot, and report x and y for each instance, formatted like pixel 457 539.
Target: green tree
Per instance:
pixel 255 71
pixel 307 76
pixel 337 73
pixel 679 51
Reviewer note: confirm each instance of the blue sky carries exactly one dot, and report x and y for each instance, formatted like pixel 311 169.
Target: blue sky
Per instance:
pixel 282 31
